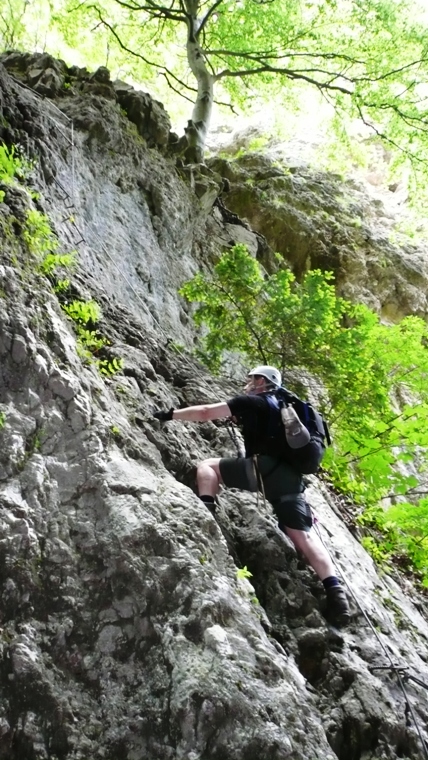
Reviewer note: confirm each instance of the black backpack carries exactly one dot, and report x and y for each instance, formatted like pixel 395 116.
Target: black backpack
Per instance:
pixel 308 458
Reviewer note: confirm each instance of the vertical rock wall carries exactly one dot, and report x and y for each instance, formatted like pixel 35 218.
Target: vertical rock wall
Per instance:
pixel 126 632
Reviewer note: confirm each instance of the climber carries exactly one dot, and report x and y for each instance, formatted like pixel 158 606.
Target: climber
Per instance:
pixel 262 469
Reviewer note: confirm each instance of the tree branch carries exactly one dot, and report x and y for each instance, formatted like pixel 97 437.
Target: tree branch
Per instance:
pixel 263 55
pixel 392 72
pixel 226 105
pixel 409 119
pixel 166 74
pixel 285 72
pixel 410 491
pixel 162 69
pixel 250 327
pixel 379 435
pixel 156 11
pixel 207 16
pixel 385 446
pixel 265 67
pixel 385 137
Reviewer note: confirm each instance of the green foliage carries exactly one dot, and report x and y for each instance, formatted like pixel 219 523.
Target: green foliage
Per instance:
pixel 33 444
pixel 2 419
pixel 53 261
pixel 374 378
pixel 90 342
pixel 61 286
pixel 406 526
pixel 12 26
pixel 38 235
pixel 43 244
pixel 400 537
pixel 377 551
pixel 243 572
pixel 41 241
pixel 36 232
pixel 178 348
pixel 255 145
pixel 10 163
pixel 367 58
pixel 91 339
pixel 14 165
pixel 110 367
pixel 83 312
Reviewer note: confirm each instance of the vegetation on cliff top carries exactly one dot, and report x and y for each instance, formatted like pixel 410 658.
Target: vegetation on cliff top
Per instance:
pixel 368 58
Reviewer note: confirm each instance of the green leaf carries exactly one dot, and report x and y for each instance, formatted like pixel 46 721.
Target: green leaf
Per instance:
pixel 243 572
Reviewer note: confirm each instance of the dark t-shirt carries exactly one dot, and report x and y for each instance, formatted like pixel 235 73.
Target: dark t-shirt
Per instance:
pixel 253 414
pixel 264 435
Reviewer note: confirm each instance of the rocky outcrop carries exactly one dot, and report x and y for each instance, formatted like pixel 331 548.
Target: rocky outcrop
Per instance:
pixel 52 78
pixel 319 220
pixel 126 632
pixel 135 206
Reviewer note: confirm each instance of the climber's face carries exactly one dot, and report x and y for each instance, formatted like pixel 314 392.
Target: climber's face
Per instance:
pixel 255 384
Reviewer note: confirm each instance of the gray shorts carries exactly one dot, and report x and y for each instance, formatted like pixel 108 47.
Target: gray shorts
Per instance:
pixel 282 485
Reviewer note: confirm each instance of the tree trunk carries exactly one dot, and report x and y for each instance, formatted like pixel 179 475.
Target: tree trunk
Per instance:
pixel 197 127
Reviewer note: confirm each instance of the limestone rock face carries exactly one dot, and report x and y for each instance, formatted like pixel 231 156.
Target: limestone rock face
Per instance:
pixel 44 74
pixel 319 220
pixel 125 631
pixel 148 115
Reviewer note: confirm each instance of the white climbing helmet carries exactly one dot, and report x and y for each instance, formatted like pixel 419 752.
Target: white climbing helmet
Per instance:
pixel 272 374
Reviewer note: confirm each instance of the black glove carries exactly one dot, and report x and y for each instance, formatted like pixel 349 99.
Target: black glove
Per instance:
pixel 164 416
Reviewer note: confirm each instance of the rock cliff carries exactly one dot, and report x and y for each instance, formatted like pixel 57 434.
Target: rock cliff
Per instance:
pixel 320 220
pixel 126 632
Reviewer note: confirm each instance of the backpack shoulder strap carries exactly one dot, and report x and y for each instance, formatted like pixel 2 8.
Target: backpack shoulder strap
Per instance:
pixel 272 401
pixel 274 422
pixel 283 394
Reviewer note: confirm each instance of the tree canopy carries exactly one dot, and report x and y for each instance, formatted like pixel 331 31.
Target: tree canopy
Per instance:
pixel 369 58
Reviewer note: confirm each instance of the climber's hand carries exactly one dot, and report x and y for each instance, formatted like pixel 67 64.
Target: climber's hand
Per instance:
pixel 164 416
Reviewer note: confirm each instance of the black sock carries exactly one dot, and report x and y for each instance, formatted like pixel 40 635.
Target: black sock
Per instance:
pixel 209 503
pixel 331 582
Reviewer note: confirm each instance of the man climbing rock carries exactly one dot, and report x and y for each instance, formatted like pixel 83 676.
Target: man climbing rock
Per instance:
pixel 271 466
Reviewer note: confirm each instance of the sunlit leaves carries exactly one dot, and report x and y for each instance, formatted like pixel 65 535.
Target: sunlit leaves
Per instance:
pixel 368 57
pixel 374 375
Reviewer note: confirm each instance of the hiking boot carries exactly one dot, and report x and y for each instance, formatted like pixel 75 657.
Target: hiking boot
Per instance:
pixel 337 605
